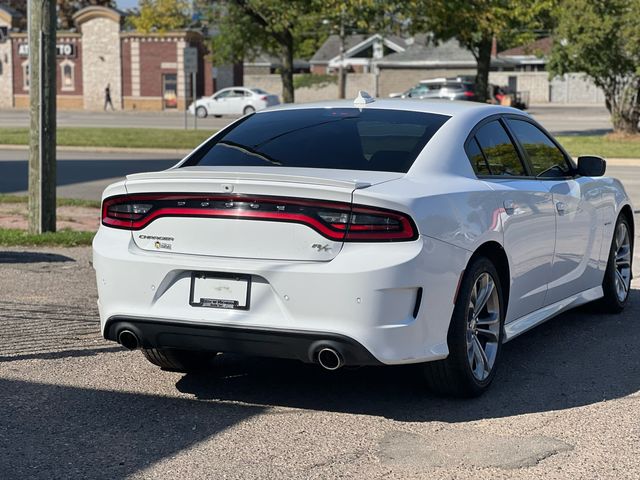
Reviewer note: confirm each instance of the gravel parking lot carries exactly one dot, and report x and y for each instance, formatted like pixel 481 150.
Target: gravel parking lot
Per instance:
pixel 565 404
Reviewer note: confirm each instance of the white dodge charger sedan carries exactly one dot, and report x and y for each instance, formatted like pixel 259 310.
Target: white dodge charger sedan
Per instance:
pixel 233 101
pixel 362 233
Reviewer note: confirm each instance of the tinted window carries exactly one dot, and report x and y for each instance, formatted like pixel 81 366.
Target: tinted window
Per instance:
pixel 259 91
pixel 501 155
pixel 546 159
pixel 223 94
pixel 417 91
pixel 478 162
pixel 342 138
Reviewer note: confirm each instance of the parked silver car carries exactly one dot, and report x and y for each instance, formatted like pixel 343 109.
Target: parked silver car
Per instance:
pixel 446 88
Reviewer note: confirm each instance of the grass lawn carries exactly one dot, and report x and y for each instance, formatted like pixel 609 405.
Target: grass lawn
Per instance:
pixel 602 145
pixel 11 237
pixel 114 137
pixel 60 202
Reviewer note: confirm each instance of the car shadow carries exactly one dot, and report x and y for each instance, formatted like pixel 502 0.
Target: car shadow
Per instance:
pixel 56 431
pixel 576 359
pixel 7 257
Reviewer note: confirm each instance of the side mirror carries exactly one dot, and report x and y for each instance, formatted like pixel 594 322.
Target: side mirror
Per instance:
pixel 591 166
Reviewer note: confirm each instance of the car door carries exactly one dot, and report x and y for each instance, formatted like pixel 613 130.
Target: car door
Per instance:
pixel 218 104
pixel 576 200
pixel 526 213
pixel 236 102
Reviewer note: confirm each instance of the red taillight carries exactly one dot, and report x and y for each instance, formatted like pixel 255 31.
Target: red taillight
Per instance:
pixel 264 98
pixel 469 93
pixel 334 220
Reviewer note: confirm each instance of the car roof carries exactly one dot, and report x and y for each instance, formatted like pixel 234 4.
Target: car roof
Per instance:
pixel 442 107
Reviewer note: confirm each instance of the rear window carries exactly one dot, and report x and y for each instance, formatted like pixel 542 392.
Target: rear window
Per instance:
pixel 259 91
pixel 338 138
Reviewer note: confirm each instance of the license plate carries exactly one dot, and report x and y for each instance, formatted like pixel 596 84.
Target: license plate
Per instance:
pixel 220 290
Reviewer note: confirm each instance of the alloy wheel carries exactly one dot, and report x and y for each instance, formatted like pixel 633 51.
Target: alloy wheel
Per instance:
pixel 483 326
pixel 622 248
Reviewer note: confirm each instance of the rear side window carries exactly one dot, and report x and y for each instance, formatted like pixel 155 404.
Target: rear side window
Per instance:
pixel 546 159
pixel 500 153
pixel 478 162
pixel 337 138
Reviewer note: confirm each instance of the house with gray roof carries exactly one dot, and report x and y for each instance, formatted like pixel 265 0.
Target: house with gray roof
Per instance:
pixel 360 52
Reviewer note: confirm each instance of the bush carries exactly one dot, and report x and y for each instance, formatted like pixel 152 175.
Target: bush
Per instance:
pixel 310 80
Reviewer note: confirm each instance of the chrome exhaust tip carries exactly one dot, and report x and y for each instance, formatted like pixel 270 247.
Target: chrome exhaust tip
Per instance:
pixel 128 339
pixel 329 359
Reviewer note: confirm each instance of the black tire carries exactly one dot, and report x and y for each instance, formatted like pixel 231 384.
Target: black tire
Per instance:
pixel 178 360
pixel 454 376
pixel 248 109
pixel 217 116
pixel 201 112
pixel 610 302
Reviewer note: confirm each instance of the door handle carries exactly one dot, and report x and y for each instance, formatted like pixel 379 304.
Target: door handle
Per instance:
pixel 561 207
pixel 509 206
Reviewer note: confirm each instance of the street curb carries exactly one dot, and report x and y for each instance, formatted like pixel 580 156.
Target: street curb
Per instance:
pixel 177 151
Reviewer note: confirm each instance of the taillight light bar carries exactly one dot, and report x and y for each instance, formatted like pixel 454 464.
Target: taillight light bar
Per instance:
pixel 336 221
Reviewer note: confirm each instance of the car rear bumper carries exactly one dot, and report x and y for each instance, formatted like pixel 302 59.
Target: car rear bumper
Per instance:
pixel 394 300
pixel 292 344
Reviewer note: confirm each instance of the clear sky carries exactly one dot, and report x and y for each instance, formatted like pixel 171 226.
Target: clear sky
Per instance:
pixel 124 4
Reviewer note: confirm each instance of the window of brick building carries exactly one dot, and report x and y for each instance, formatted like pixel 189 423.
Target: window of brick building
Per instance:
pixel 67 75
pixel 25 75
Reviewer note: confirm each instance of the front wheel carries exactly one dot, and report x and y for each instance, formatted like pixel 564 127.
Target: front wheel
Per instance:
pixel 617 276
pixel 475 335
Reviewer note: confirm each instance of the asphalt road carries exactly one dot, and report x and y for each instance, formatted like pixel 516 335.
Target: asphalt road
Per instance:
pixel 20 118
pixel 565 403
pixel 558 119
pixel 81 174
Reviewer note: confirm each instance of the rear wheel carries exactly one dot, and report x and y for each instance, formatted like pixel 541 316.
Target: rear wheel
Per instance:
pixel 201 112
pixel 617 276
pixel 475 335
pixel 248 109
pixel 178 360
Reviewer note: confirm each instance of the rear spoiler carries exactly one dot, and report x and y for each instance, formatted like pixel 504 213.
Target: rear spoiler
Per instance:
pixel 202 174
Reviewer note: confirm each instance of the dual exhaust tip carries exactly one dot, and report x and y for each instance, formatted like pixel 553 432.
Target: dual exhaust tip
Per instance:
pixel 328 358
pixel 128 339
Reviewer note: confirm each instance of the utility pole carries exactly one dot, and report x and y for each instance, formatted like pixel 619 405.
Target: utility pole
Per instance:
pixel 42 114
pixel 342 88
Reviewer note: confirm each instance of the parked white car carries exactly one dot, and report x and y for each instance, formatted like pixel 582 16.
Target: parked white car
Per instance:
pixel 362 233
pixel 233 101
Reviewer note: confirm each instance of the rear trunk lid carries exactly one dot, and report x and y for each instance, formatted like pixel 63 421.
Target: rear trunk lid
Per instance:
pixel 249 212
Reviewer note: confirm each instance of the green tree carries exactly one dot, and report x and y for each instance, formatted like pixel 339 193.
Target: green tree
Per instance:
pixel 476 23
pixel 605 45
pixel 374 16
pixel 161 16
pixel 247 28
pixel 286 28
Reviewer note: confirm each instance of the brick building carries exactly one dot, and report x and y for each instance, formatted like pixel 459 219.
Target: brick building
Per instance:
pixel 142 71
